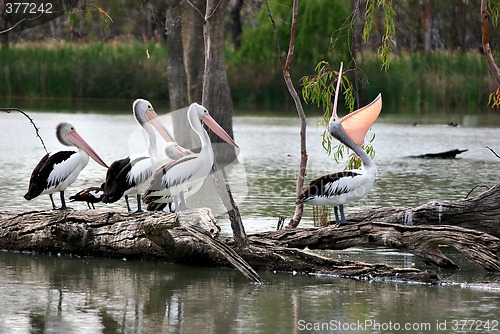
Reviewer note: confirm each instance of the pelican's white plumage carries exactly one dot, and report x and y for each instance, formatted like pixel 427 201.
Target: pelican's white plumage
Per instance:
pixel 58 170
pixel 131 175
pixel 186 174
pixel 339 188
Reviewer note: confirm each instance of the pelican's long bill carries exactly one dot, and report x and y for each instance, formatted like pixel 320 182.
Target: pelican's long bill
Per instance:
pixel 357 123
pixel 76 139
pixel 219 131
pixel 153 118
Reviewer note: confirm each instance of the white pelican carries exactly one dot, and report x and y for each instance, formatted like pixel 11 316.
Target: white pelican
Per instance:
pixel 176 178
pixel 57 170
pixel 90 195
pixel 174 152
pixel 339 188
pixel 131 175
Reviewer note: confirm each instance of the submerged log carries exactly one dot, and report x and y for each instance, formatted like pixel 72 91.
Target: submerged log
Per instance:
pixel 172 237
pixel 451 154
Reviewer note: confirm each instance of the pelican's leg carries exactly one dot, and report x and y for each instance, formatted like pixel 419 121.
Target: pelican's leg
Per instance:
pixel 182 202
pixel 342 216
pixel 171 207
pixel 53 204
pixel 63 202
pixel 336 211
pixel 139 200
pixel 93 206
pixel 128 205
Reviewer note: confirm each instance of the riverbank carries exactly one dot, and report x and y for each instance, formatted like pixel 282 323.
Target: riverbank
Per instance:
pixel 124 70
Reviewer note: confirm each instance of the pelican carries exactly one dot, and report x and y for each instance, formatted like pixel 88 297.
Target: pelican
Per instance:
pixel 58 170
pixel 339 188
pixel 90 195
pixel 176 178
pixel 131 175
pixel 174 152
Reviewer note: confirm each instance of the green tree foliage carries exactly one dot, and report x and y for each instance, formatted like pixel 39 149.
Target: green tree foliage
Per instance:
pixel 389 33
pixel 317 29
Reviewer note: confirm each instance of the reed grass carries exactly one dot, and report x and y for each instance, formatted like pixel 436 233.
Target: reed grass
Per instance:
pixel 123 70
pixel 90 70
pixel 436 79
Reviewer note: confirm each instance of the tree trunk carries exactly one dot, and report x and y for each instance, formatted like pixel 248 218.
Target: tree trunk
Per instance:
pixel 235 22
pixel 176 74
pixel 299 207
pixel 216 92
pixel 4 25
pixel 194 49
pixel 216 95
pixel 175 238
pixel 427 27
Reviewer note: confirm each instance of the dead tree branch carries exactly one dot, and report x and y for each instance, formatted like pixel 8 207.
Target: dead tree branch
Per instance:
pixel 486 41
pixel 37 130
pixel 299 208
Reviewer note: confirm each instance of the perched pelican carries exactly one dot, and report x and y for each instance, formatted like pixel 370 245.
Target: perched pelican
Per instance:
pixel 176 178
pixel 57 170
pixel 131 175
pixel 90 195
pixel 339 188
pixel 174 152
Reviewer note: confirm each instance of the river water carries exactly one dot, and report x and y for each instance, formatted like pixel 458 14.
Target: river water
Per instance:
pixel 59 293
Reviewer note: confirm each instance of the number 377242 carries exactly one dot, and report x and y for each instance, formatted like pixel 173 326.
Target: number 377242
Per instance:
pixel 28 8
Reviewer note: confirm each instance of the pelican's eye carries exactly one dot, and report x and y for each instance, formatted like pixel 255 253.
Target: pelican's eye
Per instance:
pixel 150 107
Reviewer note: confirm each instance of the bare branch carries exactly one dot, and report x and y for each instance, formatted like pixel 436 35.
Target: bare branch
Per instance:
pixel 8 110
pixel 15 25
pixel 486 41
pixel 495 153
pixel 299 208
pixel 475 187
pixel 275 32
pixel 196 9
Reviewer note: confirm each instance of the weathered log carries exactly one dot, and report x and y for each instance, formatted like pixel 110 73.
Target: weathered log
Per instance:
pixel 481 213
pixel 161 236
pixel 423 241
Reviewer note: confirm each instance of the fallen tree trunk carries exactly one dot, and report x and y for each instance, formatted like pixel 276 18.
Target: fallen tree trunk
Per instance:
pixel 423 241
pixel 481 213
pixel 173 238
